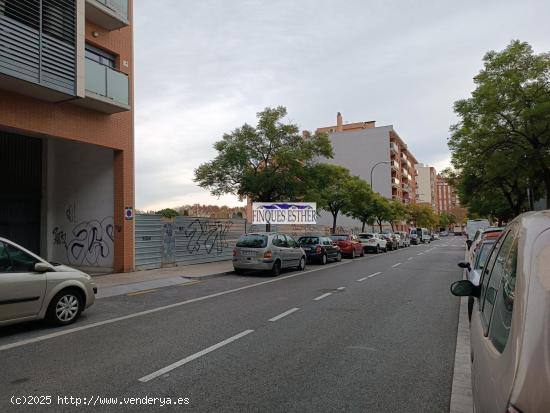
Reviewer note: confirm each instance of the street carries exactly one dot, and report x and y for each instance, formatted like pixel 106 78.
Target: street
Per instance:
pixel 374 334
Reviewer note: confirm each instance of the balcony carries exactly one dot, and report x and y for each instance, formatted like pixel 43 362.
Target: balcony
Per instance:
pixel 395 165
pixel 404 157
pixel 106 89
pixel 109 14
pixel 394 148
pixel 406 188
pixel 395 182
pixel 409 163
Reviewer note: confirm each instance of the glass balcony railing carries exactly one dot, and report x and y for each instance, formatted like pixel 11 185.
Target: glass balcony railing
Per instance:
pixel 107 82
pixel 118 6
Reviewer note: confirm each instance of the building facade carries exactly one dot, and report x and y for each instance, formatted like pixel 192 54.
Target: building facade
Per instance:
pixel 378 155
pixel 447 196
pixel 66 130
pixel 427 190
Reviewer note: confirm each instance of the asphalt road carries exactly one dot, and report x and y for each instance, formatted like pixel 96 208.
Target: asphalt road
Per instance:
pixel 375 334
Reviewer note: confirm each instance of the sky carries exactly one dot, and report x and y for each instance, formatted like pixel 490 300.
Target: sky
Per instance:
pixel 204 68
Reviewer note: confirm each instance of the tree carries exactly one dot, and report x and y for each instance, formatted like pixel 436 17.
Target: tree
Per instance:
pixel 269 162
pixel 381 210
pixel 361 206
pixel 168 213
pixel 501 144
pixel 422 216
pixel 336 191
pixel 397 212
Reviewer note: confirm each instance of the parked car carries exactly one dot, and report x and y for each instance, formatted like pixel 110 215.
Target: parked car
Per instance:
pixel 320 249
pixel 443 233
pixel 391 241
pixel 373 242
pixel 32 288
pixel 405 239
pixel 476 267
pixel 509 329
pixel 268 251
pixel 424 235
pixel 414 236
pixel 481 234
pixel 350 244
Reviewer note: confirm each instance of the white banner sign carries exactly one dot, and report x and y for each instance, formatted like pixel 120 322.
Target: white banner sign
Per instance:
pixel 284 213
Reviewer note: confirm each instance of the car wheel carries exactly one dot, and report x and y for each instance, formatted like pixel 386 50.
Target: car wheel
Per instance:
pixel 238 271
pixel 353 253
pixel 323 259
pixel 276 269
pixel 362 252
pixel 338 257
pixel 302 264
pixel 65 307
pixel 377 250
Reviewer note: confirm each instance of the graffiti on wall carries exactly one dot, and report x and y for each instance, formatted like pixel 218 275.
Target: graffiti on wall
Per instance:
pixel 88 243
pixel 206 236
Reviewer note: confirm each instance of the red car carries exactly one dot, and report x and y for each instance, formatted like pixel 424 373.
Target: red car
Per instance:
pixel 349 244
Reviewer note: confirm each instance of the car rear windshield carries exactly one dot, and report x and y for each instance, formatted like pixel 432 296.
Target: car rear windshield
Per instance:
pixel 366 236
pixel 308 240
pixel 252 241
pixel 339 237
pixel 413 231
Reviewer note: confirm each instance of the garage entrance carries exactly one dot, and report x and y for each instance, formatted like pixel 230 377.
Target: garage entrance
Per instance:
pixel 20 189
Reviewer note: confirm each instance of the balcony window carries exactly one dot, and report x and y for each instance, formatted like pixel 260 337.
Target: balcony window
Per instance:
pixel 100 56
pixel 107 82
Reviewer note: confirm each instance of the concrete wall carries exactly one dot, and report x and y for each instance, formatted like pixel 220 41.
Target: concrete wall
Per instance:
pixel 359 151
pixel 78 204
pixel 424 185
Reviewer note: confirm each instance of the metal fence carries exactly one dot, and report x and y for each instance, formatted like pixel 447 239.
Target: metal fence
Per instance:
pixel 184 240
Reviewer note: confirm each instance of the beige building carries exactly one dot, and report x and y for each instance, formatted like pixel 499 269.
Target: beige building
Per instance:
pixel 447 196
pixel 427 190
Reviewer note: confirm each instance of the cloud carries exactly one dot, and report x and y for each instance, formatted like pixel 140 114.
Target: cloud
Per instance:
pixel 205 68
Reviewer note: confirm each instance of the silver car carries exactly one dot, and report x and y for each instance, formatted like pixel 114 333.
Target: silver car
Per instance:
pixel 32 288
pixel 510 328
pixel 267 251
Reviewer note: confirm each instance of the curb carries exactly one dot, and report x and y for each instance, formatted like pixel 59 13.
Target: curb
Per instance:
pixel 207 276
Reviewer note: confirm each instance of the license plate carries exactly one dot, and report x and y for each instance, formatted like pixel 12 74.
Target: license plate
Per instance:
pixel 248 253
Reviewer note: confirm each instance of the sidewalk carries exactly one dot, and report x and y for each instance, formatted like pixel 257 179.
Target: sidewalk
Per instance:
pixel 123 283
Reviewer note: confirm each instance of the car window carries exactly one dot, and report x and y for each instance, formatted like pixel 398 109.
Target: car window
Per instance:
pixel 326 241
pixel 20 261
pixel 501 321
pixel 291 243
pixel 483 254
pixel 339 237
pixel 308 240
pixel 497 265
pixel 4 258
pixel 252 241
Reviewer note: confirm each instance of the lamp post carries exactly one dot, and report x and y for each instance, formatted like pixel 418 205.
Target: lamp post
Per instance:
pixel 372 169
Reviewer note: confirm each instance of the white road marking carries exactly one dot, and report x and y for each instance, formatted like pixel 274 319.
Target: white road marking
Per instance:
pixel 420 253
pixel 278 317
pixel 375 274
pixel 193 357
pixel 157 309
pixel 322 296
pixel 362 279
pixel 396 265
pixel 341 288
pixel 410 258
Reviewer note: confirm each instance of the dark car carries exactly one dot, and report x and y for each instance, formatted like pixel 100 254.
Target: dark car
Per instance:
pixel 320 249
pixel 392 242
pixel 349 244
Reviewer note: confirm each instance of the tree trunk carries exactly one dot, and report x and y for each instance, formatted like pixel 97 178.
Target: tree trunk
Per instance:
pixel 546 177
pixel 380 224
pixel 334 216
pixel 268 227
pixel 363 227
pixel 392 227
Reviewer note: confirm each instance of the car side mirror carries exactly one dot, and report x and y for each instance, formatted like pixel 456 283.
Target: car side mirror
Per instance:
pixel 469 243
pixel 464 288
pixel 465 264
pixel 42 267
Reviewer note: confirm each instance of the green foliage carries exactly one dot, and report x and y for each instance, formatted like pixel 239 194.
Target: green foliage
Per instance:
pixel 168 213
pixel 422 216
pixel 272 161
pixel 447 219
pixel 336 191
pixel 501 144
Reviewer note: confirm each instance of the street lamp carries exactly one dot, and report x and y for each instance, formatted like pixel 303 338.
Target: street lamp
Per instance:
pixel 372 169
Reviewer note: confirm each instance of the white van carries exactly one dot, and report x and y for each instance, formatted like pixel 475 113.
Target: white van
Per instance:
pixel 473 225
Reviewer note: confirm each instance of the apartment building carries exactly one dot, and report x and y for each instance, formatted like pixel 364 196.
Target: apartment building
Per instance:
pixel 377 154
pixel 66 130
pixel 427 190
pixel 447 196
